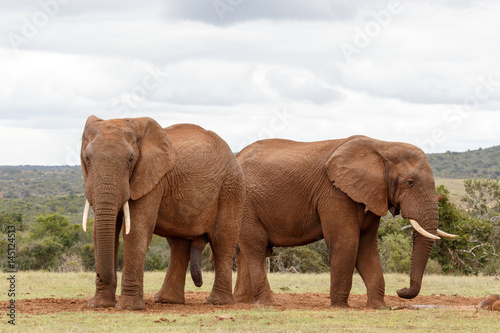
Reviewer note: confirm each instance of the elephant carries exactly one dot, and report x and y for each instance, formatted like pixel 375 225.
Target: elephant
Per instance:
pixel 491 303
pixel 182 182
pixel 336 190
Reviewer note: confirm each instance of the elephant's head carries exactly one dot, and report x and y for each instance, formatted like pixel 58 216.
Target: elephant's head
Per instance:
pixel 121 159
pixel 391 176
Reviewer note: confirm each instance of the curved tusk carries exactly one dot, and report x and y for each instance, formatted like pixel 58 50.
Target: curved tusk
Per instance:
pixel 86 211
pixel 445 234
pixel 421 230
pixel 126 212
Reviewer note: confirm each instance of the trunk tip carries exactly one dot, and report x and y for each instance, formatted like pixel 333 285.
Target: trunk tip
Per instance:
pixel 408 293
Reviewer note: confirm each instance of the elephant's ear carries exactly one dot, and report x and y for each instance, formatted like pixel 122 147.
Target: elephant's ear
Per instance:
pixel 357 169
pixel 156 157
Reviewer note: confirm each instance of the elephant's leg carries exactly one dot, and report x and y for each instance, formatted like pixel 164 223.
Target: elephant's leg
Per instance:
pixel 243 292
pixel 253 244
pixel 172 290
pixel 369 267
pixel 135 247
pixel 105 294
pixel 223 237
pixel 341 232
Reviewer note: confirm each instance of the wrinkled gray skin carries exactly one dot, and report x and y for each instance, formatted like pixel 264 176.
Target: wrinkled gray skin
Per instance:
pixel 182 182
pixel 299 192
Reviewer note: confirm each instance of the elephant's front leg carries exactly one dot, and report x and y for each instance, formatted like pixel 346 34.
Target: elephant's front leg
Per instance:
pixel 342 259
pixel 172 290
pixel 342 239
pixel 134 255
pixel 105 294
pixel 369 266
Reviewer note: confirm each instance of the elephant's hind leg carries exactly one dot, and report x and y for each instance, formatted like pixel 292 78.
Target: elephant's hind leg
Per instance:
pixel 253 243
pixel 243 292
pixel 223 238
pixel 172 290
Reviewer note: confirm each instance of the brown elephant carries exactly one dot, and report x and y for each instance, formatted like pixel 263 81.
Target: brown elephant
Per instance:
pixel 491 303
pixel 182 182
pixel 299 192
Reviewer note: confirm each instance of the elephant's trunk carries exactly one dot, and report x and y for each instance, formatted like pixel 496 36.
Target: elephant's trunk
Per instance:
pixel 422 247
pixel 104 241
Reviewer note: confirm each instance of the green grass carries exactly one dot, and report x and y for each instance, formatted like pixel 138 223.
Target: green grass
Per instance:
pixel 269 320
pixel 81 285
pixel 258 319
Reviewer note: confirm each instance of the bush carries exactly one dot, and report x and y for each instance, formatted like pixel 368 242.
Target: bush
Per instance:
pixel 395 253
pixel 297 259
pixel 71 263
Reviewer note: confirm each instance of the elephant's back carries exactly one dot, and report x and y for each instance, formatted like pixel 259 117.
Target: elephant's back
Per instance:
pixel 201 152
pixel 190 139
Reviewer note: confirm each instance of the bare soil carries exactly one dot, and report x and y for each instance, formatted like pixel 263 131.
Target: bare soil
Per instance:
pixel 195 303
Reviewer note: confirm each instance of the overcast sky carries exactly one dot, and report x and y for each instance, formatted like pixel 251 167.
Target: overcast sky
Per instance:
pixel 423 72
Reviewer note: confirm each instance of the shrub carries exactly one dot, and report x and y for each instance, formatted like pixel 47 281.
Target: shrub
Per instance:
pixel 395 253
pixel 297 259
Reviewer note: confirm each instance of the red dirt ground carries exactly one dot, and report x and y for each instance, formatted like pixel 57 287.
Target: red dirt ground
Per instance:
pixel 195 303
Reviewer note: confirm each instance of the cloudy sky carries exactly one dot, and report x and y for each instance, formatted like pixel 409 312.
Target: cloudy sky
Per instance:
pixel 423 72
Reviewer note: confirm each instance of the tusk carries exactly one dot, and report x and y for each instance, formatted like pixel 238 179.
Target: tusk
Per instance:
pixel 86 211
pixel 445 234
pixel 126 212
pixel 421 230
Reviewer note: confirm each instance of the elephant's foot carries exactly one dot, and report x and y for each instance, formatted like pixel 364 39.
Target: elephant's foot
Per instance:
pixel 244 298
pixel 220 298
pixel 100 301
pixel 267 299
pixel 376 304
pixel 170 298
pixel 130 303
pixel 339 299
pixel 339 305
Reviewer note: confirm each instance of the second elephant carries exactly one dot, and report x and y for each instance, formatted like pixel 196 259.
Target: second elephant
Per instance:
pixel 299 192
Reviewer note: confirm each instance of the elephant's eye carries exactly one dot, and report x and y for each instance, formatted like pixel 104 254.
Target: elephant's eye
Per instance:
pixel 130 161
pixel 411 183
pixel 87 159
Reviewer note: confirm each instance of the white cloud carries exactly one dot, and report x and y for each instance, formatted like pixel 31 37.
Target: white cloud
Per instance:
pixel 235 75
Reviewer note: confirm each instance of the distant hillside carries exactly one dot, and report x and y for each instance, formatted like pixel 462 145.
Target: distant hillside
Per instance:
pixel 481 163
pixel 40 181
pixel 40 190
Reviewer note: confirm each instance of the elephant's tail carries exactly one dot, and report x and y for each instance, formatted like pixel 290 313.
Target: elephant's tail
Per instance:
pixel 197 247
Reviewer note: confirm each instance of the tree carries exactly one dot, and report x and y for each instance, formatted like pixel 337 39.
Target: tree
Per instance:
pixel 482 197
pixel 474 250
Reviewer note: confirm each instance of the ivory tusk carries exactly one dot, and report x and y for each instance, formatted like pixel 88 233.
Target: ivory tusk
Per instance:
pixel 421 230
pixel 445 234
pixel 86 211
pixel 126 212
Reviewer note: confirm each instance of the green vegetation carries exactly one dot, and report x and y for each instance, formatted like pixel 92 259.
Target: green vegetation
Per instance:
pixel 45 204
pixel 481 163
pixel 40 284
pixel 27 181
